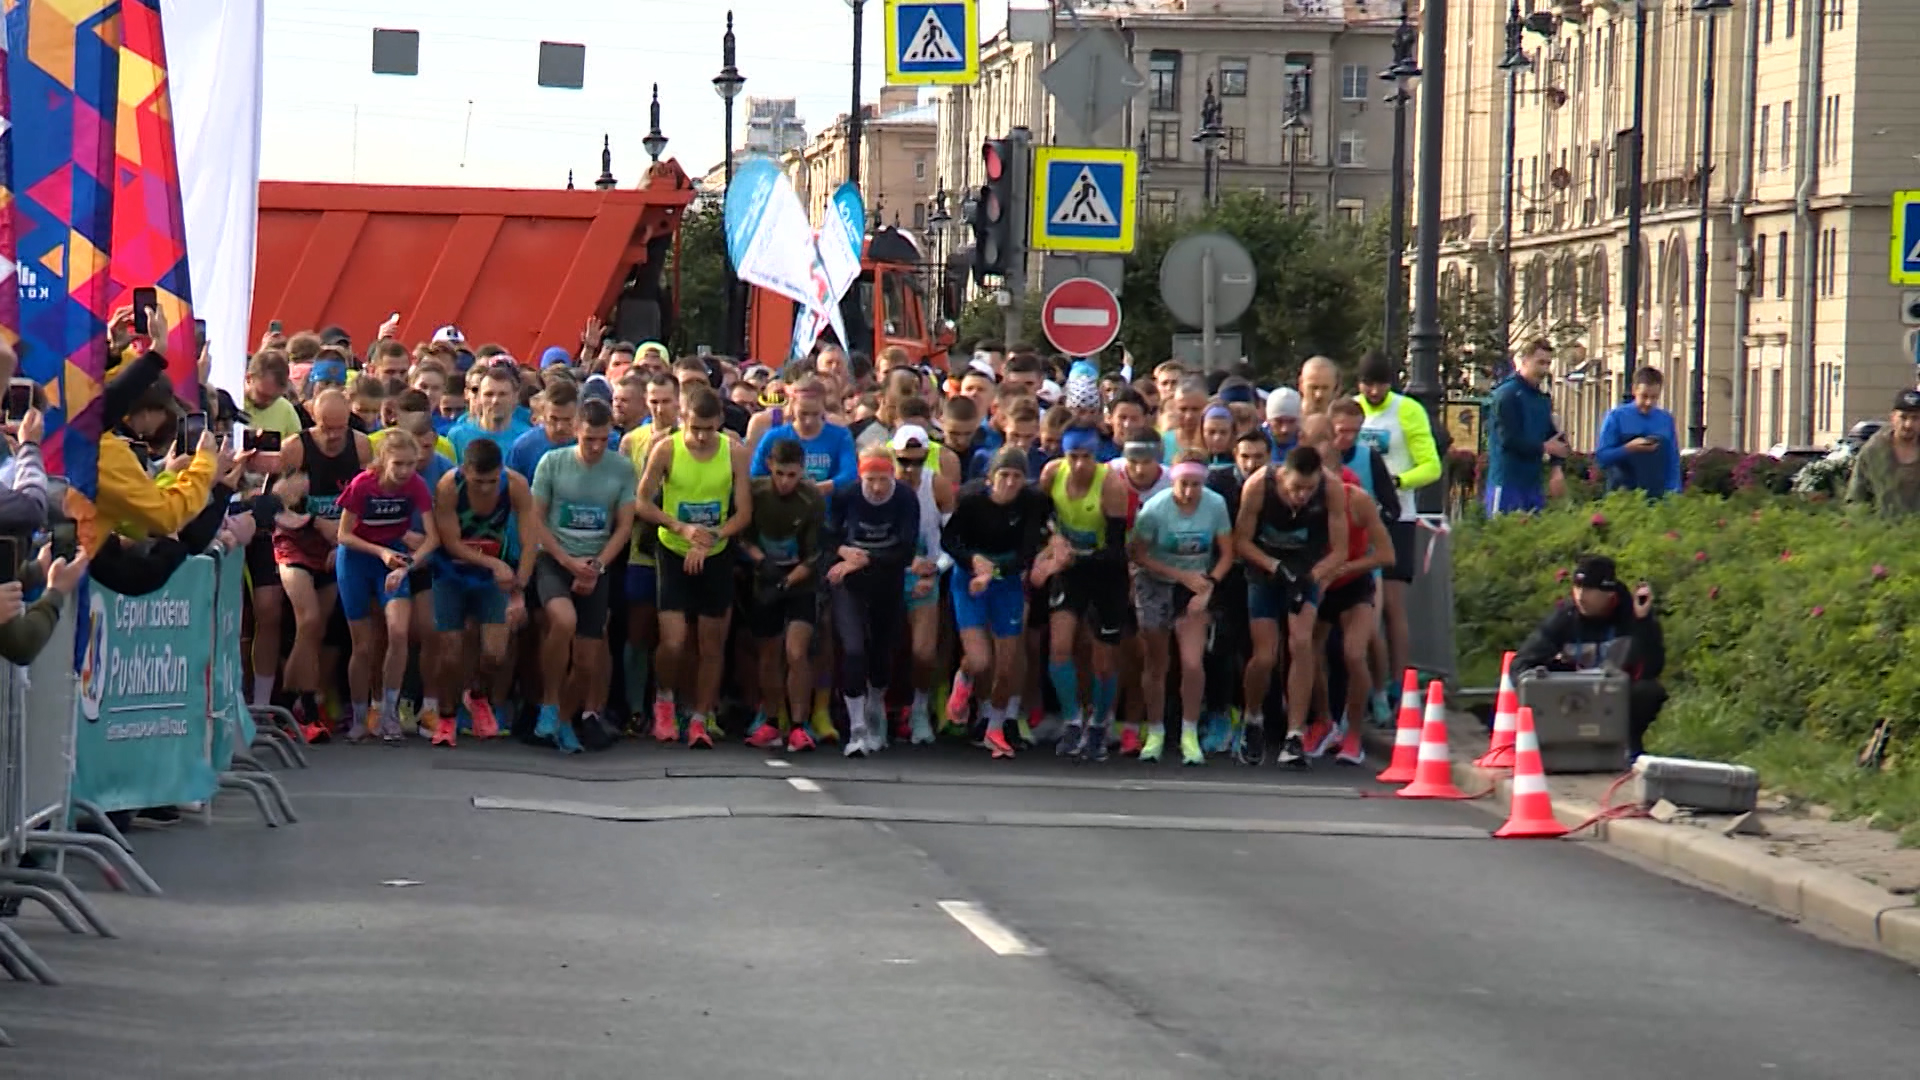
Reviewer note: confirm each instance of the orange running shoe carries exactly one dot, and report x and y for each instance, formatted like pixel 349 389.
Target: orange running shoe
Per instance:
pixel 697 737
pixel 1130 741
pixel 443 727
pixel 958 701
pixel 1319 735
pixel 666 725
pixel 485 724
pixel 998 744
pixel 799 740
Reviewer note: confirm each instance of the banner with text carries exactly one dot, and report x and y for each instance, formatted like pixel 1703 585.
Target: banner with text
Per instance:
pixel 233 727
pixel 145 734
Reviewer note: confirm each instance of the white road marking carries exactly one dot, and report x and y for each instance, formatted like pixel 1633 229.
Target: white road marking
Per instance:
pixel 776 763
pixel 801 783
pixel 991 932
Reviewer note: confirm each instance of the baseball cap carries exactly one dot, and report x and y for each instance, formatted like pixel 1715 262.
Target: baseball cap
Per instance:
pixel 653 349
pixel 1283 403
pixel 449 335
pixel 596 386
pixel 1595 572
pixel 554 354
pixel 1907 401
pixel 909 437
pixel 982 365
pixel 334 335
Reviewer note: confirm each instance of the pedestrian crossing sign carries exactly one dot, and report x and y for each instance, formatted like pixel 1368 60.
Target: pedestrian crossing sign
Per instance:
pixel 1906 238
pixel 932 42
pixel 1084 199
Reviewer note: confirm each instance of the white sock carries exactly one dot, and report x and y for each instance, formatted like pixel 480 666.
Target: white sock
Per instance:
pixel 1157 729
pixel 262 689
pixel 996 718
pixel 857 710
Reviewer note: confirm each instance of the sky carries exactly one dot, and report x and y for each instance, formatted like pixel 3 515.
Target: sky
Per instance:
pixel 475 116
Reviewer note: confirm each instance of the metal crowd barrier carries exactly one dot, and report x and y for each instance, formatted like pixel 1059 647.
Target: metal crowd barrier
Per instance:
pixel 136 702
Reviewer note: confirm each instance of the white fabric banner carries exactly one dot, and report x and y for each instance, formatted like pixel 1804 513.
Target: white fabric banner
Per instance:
pixel 216 68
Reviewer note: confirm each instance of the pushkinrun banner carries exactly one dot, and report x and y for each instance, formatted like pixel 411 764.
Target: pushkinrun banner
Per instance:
pixel 145 733
pixel 64 84
pixel 836 267
pixel 768 239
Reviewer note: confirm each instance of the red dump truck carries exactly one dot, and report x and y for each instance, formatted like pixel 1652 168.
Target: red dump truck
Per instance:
pixel 526 268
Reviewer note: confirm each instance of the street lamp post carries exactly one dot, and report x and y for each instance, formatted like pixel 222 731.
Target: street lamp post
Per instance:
pixel 655 143
pixel 728 84
pixel 1697 390
pixel 1636 199
pixel 1210 136
pixel 1423 341
pixel 1140 148
pixel 1514 63
pixel 937 223
pixel 1294 127
pixel 1404 67
pixel 854 119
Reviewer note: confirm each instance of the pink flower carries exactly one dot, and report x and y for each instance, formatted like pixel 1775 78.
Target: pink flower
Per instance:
pixel 1713 593
pixel 1671 535
pixel 1699 556
pixel 1560 574
pixel 1721 524
pixel 1598 521
pixel 1787 555
pixel 1879 572
pixel 1817 612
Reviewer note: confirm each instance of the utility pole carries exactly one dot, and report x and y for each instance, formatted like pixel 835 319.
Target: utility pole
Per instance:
pixel 1515 62
pixel 1014 281
pixel 1405 37
pixel 856 119
pixel 1424 341
pixel 1636 199
pixel 1697 387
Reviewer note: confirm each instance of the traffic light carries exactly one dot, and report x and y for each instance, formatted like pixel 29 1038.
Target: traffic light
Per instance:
pixel 993 217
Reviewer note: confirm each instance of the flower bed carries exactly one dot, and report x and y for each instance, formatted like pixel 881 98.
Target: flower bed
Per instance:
pixel 1792 628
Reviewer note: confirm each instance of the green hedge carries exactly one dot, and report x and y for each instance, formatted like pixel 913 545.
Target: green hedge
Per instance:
pixel 1792 628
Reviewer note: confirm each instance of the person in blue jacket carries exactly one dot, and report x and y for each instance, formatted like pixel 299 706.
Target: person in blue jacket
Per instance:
pixel 832 463
pixel 1520 431
pixel 1639 444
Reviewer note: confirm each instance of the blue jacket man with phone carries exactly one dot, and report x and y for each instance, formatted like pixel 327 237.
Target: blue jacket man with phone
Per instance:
pixel 1639 445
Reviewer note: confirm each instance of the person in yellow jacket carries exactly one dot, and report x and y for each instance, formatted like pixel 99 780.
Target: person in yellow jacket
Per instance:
pixel 132 503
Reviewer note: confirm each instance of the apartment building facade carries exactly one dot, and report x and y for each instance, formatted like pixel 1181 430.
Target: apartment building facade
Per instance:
pixel 1812 135
pixel 897 176
pixel 1257 56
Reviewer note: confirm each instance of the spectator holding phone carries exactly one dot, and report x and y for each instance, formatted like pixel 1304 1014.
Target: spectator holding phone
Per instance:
pixel 26 628
pixel 1639 447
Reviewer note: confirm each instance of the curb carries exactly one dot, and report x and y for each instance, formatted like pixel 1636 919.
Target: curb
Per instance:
pixel 1860 912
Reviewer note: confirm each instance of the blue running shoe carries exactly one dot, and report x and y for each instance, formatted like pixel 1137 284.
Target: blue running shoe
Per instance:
pixel 549 720
pixel 1216 733
pixel 1093 746
pixel 566 740
pixel 1072 738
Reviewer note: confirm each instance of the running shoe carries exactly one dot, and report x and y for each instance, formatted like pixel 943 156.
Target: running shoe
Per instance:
pixel 1049 730
pixel 389 728
pixel 549 722
pixel 666 726
pixel 1216 733
pixel 920 726
pixel 1380 709
pixel 1351 751
pixel 959 699
pixel 798 740
pixel 565 740
pixel 822 724
pixel 1072 740
pixel 485 724
pixel 1093 747
pixel 697 737
pixel 1319 737
pixel 876 723
pixel 409 721
pixel 856 737
pixel 1023 726
pixel 903 725
pixel 316 733
pixel 1130 741
pixel 1190 752
pixel 762 735
pixel 997 744
pixel 1252 744
pixel 1293 752
pixel 442 727
pixel 362 729
pixel 1155 745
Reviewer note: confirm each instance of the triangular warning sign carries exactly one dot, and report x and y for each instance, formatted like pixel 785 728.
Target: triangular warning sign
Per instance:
pixel 1913 255
pixel 1084 204
pixel 931 43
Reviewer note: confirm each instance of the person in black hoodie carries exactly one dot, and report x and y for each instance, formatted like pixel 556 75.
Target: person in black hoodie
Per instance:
pixel 1605 622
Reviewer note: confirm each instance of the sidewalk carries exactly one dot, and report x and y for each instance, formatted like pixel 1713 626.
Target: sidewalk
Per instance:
pixel 1839 876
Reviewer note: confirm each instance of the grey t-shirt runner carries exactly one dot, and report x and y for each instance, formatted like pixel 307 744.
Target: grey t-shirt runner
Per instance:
pixel 583 499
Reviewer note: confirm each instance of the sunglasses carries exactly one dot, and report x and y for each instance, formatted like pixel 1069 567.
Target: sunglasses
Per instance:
pixel 910 462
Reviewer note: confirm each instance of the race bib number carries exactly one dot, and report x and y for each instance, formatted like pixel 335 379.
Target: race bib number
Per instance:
pixel 1190 543
pixel 781 552
pixel 1080 540
pixel 583 517
pixel 819 468
pixel 324 506
pixel 703 514
pixel 1378 438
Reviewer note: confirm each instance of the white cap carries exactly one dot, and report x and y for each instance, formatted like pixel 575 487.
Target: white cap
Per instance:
pixel 982 364
pixel 449 335
pixel 1050 392
pixel 1284 402
pixel 910 437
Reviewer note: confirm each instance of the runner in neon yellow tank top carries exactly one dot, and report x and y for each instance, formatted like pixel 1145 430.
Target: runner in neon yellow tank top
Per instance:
pixel 1088 585
pixel 700 477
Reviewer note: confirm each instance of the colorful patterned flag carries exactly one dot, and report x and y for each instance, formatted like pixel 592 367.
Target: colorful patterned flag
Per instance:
pixel 149 228
pixel 64 76
pixel 9 283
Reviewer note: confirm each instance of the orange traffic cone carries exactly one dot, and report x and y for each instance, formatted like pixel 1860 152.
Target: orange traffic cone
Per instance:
pixel 1433 775
pixel 1406 735
pixel 1532 812
pixel 1506 709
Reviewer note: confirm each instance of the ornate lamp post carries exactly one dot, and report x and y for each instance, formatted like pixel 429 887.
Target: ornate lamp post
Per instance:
pixel 728 85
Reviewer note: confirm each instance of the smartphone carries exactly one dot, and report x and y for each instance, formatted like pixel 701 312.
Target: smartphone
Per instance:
pixel 144 298
pixel 273 327
pixel 267 442
pixel 192 427
pixel 65 540
pixel 200 333
pixel 9 559
pixel 704 350
pixel 19 399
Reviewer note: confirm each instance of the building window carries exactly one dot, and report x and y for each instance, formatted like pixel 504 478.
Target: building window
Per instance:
pixel 1832 129
pixel 1296 146
pixel 1235 148
pixel 1765 141
pixel 919 215
pixel 1163 140
pixel 1780 266
pixel 1793 12
pixel 1833 261
pixel 1786 135
pixel 1352 149
pixel 1353 211
pixel 1233 78
pixel 1353 82
pixel 1163 203
pixel 1758 285
pixel 1836 14
pixel 1163 80
pixel 1299 84
pixel 920 167
pixel 1766 22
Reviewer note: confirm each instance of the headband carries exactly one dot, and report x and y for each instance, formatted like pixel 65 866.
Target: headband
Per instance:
pixel 876 465
pixel 1217 412
pixel 1077 439
pixel 1190 470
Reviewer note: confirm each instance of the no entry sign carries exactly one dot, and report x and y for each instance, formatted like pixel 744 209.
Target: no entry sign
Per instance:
pixel 1081 317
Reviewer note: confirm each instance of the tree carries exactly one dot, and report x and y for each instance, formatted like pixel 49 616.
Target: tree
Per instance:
pixel 700 262
pixel 983 320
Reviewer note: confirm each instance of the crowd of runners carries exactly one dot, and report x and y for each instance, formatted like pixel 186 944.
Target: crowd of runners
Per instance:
pixel 1023 552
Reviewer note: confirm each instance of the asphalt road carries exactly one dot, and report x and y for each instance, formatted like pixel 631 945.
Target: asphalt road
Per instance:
pixel 549 944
